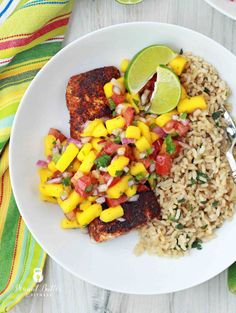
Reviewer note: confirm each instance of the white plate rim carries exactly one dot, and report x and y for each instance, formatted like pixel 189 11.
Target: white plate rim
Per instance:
pixel 221 10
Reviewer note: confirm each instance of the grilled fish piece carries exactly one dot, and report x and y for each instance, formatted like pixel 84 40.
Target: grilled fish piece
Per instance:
pixel 136 214
pixel 85 97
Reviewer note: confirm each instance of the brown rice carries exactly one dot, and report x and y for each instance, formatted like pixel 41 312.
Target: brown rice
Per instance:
pixel 198 196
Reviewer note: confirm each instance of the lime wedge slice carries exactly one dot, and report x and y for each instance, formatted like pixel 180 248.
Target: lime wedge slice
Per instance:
pixel 144 64
pixel 167 91
pixel 129 1
pixel 232 278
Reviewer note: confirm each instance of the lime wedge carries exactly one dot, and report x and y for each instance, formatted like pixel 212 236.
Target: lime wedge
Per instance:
pixel 144 64
pixel 167 91
pixel 232 278
pixel 129 1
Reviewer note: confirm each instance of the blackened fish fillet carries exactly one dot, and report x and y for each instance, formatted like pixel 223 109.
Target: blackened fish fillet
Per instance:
pixel 85 97
pixel 136 214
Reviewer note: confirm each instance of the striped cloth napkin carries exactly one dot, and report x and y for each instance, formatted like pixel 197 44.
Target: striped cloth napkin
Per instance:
pixel 31 32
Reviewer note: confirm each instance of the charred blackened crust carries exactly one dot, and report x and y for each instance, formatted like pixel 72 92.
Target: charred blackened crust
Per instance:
pixel 136 214
pixel 85 97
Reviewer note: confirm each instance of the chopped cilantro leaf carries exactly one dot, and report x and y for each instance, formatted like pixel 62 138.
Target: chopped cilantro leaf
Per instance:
pixel 139 176
pixel 181 200
pixel 190 208
pixel 192 182
pixel 204 227
pixel 215 203
pixel 197 244
pixel 103 161
pixel 66 181
pixel 112 104
pixel 179 226
pixel 206 90
pixel 114 114
pixel 172 218
pixel 153 125
pixel 216 115
pixel 119 173
pixel 136 102
pixel 149 151
pixel 204 202
pixel 202 177
pixel 170 145
pixel 117 139
pixel 89 188
pixel 183 116
pixel 56 157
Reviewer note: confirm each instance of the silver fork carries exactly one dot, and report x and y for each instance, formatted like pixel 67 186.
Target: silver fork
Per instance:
pixel 231 132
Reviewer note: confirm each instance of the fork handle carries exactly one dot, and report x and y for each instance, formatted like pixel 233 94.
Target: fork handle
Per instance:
pixel 234 176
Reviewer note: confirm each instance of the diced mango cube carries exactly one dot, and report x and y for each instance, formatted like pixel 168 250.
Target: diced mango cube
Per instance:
pixel 132 132
pixel 183 93
pixel 136 153
pixel 162 119
pixel 51 190
pixel 87 216
pixel 145 131
pixel 75 165
pixel 119 188
pixel 154 136
pixel 99 131
pixel 44 174
pixel 142 144
pixel 114 123
pixel 87 132
pixel 189 105
pixel 67 224
pixel 71 202
pixel 178 64
pixel 111 214
pixel 117 165
pixel 52 166
pixel 123 65
pixel 47 198
pixel 84 151
pixel 85 205
pixel 131 191
pixel 108 89
pixel 134 100
pixel 67 157
pixel 49 141
pixel 88 162
pixel 96 145
pixel 138 168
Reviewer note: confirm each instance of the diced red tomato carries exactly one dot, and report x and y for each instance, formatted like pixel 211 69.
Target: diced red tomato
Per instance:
pixel 129 153
pixel 71 215
pixel 118 98
pixel 128 114
pixel 57 134
pixel 142 188
pixel 176 126
pixel 157 148
pixel 105 177
pixel 115 202
pixel 84 182
pixel 115 181
pixel 177 149
pixel 146 162
pixel 111 147
pixel 163 164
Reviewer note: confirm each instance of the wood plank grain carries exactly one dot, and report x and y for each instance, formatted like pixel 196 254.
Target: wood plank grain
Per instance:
pixel 73 295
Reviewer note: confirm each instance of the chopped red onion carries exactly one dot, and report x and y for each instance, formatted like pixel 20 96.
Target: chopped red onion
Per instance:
pixel 134 198
pixel 109 181
pixel 152 167
pixel 127 141
pixel 185 122
pixel 64 195
pixel 130 182
pixel 126 169
pixel 116 90
pixel 76 142
pixel 158 130
pixel 55 150
pixel 184 145
pixel 102 188
pixel 49 158
pixel 56 180
pixel 121 151
pixel 101 200
pixel 42 163
pixel 85 139
pixel 121 219
pixel 67 174
pixel 86 124
pixel 175 117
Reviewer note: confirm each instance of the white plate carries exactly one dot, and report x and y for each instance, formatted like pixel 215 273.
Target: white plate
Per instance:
pixel 111 265
pixel 226 7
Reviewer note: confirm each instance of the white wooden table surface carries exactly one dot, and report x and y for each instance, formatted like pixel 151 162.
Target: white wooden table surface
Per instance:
pixel 69 294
